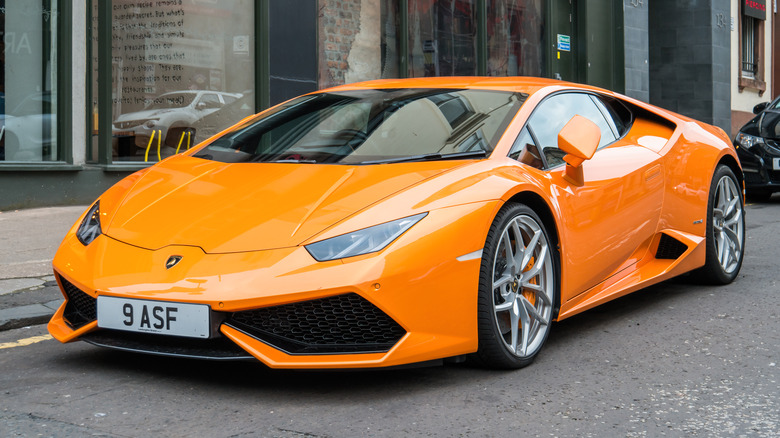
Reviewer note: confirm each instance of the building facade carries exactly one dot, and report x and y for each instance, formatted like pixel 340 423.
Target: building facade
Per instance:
pixel 755 67
pixel 93 90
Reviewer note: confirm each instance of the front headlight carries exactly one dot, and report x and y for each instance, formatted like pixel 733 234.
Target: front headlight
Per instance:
pixel 748 141
pixel 90 226
pixel 365 241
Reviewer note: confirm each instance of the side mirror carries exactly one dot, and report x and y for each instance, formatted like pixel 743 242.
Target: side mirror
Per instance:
pixel 201 105
pixel 579 139
pixel 760 107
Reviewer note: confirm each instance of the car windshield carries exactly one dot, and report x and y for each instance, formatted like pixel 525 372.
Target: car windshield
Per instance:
pixel 171 100
pixel 371 127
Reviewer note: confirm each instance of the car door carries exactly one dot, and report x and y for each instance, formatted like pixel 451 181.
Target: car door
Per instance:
pixel 608 218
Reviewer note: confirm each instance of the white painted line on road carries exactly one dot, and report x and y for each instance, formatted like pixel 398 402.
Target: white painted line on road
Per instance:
pixel 26 341
pixel 28 262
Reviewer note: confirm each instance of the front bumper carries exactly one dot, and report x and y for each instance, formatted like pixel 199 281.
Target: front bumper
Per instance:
pixel 412 302
pixel 758 166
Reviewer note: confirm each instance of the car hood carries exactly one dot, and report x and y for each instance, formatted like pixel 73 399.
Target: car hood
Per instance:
pixel 766 125
pixel 145 114
pixel 238 207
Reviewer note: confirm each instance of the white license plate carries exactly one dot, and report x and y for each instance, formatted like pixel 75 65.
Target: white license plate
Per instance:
pixel 147 316
pixel 776 163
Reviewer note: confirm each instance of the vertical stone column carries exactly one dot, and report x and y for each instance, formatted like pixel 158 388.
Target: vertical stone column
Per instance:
pixel 637 49
pixel 690 58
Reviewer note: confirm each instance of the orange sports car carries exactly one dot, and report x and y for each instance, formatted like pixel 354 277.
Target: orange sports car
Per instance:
pixel 402 221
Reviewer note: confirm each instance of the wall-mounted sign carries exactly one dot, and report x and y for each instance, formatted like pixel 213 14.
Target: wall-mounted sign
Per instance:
pixel 754 8
pixel 564 43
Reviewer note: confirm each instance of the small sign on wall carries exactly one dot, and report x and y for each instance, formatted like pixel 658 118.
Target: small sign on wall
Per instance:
pixel 564 43
pixel 754 8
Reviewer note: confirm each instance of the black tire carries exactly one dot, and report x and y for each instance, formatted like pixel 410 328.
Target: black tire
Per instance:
pixel 495 348
pixel 719 268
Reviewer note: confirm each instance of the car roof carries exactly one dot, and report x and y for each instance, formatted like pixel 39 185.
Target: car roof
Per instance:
pixel 522 84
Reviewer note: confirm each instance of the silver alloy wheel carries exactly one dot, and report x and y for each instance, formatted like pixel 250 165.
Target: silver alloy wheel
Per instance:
pixel 523 286
pixel 728 225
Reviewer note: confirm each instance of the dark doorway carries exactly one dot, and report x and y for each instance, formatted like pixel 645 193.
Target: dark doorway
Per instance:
pixel 562 38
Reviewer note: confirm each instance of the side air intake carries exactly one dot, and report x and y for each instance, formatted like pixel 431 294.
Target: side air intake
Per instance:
pixel 670 248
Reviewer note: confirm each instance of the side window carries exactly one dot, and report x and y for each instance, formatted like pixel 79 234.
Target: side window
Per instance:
pixel 210 101
pixel 525 150
pixel 553 114
pixel 617 114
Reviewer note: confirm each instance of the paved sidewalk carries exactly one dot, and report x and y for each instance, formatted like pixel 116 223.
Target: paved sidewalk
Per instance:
pixel 28 240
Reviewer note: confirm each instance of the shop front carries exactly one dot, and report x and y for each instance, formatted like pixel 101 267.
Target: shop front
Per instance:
pixel 93 90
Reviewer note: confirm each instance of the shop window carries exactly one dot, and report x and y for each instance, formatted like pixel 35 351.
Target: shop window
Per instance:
pixel 751 46
pixel 28 81
pixel 442 38
pixel 515 29
pixel 181 71
pixel 390 39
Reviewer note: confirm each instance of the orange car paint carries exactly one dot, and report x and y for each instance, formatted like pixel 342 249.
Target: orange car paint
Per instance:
pixel 660 171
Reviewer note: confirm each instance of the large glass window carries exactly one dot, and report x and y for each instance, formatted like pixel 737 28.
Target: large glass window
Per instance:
pixel 515 29
pixel 181 70
pixel 429 38
pixel 28 86
pixel 390 39
pixel 442 38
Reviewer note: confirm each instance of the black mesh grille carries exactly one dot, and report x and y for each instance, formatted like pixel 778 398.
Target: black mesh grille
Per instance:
pixel 774 176
pixel 81 309
pixel 339 324
pixel 670 248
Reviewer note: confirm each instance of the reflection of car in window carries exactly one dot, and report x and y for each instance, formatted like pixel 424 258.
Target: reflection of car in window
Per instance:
pixel 27 131
pixel 235 109
pixel 170 115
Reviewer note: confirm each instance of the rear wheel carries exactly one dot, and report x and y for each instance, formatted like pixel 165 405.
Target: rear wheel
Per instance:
pixel 725 230
pixel 518 289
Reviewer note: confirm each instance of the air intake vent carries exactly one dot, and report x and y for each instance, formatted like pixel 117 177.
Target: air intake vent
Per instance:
pixel 213 349
pixel 340 324
pixel 670 248
pixel 81 308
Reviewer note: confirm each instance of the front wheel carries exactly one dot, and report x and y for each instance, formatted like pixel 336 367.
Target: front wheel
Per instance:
pixel 518 289
pixel 725 238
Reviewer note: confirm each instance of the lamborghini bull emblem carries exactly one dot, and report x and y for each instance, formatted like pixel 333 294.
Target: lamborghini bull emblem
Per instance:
pixel 172 261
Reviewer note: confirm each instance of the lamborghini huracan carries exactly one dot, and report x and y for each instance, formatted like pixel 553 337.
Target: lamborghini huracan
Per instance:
pixel 400 222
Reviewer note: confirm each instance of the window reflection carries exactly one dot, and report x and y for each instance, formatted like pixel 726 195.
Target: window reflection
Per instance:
pixel 181 72
pixel 515 33
pixel 28 80
pixel 555 112
pixel 360 126
pixel 442 38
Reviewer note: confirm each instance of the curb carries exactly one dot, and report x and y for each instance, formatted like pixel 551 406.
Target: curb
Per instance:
pixel 23 316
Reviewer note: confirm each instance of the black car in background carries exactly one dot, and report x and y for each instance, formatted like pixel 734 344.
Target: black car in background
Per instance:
pixel 758 148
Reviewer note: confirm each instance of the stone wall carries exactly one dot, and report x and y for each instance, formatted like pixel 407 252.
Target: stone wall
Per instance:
pixel 637 50
pixel 690 58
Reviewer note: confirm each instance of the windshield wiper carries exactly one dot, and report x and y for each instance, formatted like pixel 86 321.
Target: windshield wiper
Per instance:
pixel 430 157
pixel 293 160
